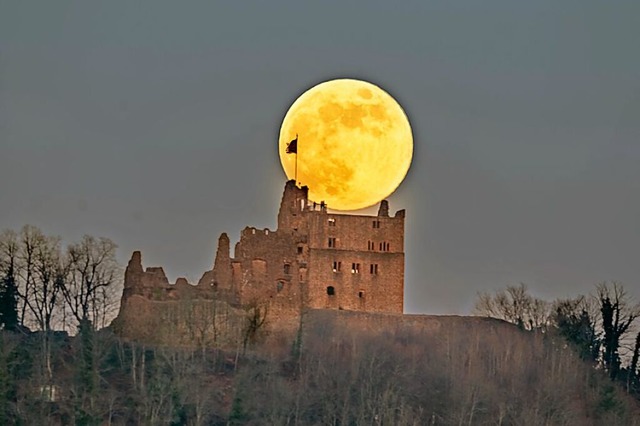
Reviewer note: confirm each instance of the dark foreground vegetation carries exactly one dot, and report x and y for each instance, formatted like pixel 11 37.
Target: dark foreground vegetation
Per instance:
pixel 438 370
pixel 568 362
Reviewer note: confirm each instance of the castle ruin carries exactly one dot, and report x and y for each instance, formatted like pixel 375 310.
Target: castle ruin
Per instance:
pixel 314 260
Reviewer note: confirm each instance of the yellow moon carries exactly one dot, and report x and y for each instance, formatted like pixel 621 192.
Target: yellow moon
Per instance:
pixel 354 143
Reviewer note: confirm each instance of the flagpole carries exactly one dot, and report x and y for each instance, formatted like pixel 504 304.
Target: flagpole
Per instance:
pixel 296 171
pixel 292 148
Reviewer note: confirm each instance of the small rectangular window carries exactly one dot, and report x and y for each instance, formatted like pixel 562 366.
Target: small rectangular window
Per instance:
pixel 332 242
pixel 376 224
pixel 337 265
pixel 299 249
pixel 332 222
pixel 355 268
pixel 287 268
pixel 373 268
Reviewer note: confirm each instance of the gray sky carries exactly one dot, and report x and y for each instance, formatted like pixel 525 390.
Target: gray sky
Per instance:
pixel 155 124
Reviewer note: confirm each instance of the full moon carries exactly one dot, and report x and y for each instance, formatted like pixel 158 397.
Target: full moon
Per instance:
pixel 354 143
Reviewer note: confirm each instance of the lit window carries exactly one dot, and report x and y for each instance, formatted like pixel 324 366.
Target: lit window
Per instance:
pixel 355 268
pixel 336 266
pixel 332 222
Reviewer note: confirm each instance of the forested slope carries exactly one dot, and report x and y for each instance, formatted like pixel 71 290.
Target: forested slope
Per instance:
pixel 341 368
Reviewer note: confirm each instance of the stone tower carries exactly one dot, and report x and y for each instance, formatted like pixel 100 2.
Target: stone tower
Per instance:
pixel 315 259
pixel 318 259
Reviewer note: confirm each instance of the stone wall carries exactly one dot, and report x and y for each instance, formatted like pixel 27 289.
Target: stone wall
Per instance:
pixel 314 259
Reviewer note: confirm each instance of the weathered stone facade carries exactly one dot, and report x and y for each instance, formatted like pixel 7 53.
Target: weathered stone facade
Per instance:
pixel 315 259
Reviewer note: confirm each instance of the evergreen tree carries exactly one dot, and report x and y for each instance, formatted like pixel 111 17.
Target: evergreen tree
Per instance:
pixel 633 381
pixel 9 300
pixel 577 326
pixel 618 313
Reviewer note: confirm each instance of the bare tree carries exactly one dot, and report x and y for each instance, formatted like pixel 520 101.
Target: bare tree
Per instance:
pixel 34 262
pixel 256 316
pixel 93 275
pixel 30 238
pixel 49 274
pixel 514 304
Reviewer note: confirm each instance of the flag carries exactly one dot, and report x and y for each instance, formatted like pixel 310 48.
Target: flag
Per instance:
pixel 292 147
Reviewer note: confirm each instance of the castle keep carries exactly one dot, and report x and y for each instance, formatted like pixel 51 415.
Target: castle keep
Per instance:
pixel 315 259
pixel 319 259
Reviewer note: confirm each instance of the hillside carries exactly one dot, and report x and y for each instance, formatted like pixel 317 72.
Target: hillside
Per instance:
pixel 342 368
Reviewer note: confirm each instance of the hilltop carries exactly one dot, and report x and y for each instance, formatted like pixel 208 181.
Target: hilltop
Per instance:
pixel 339 367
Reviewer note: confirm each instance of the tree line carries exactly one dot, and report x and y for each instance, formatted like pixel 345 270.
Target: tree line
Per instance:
pixel 45 286
pixel 560 365
pixel 601 327
pixel 469 371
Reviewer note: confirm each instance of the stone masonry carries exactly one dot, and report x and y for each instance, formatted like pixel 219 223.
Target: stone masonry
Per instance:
pixel 315 259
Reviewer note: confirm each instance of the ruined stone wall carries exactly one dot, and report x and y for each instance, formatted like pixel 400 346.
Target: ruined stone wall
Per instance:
pixel 155 311
pixel 268 270
pixel 184 322
pixel 358 291
pixel 358 233
pixel 377 323
pixel 356 262
pixel 153 284
pixel 314 259
pixel 294 202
